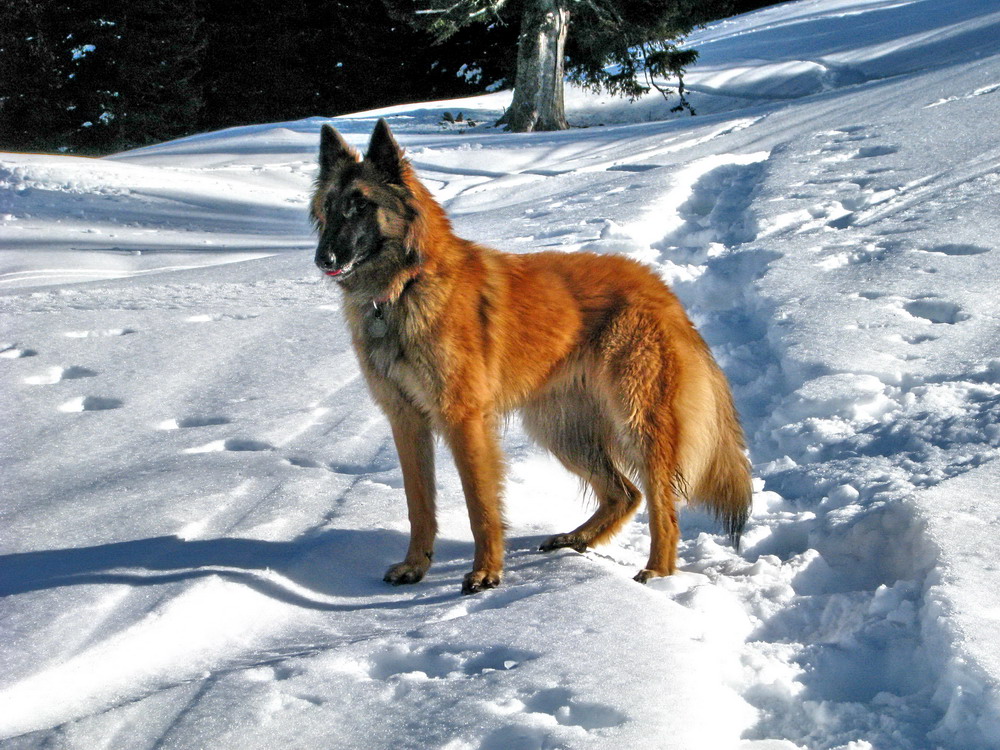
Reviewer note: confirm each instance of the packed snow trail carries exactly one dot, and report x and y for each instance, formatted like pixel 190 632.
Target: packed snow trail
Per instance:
pixel 199 498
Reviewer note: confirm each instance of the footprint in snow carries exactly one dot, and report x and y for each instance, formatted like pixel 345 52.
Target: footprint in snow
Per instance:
pixel 867 152
pixel 11 351
pixel 633 167
pixel 102 333
pixel 212 318
pixel 233 444
pixel 842 221
pixel 557 232
pixel 304 463
pixel 956 249
pixel 935 310
pixel 56 374
pixel 560 703
pixel 439 661
pixel 188 422
pixel 90 403
pixel 358 468
pixel 847 134
pixel 838 256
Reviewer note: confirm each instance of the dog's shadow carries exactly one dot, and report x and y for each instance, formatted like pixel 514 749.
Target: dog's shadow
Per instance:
pixel 315 570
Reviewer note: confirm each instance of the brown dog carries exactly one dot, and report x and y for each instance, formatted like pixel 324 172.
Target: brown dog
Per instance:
pixel 594 350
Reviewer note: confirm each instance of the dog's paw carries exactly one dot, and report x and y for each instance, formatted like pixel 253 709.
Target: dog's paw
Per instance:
pixel 478 580
pixel 645 574
pixel 560 541
pixel 404 572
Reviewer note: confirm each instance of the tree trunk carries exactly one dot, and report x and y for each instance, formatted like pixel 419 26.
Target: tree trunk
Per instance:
pixel 538 88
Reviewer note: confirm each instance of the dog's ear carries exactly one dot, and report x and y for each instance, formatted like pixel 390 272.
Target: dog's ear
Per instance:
pixel 385 154
pixel 333 152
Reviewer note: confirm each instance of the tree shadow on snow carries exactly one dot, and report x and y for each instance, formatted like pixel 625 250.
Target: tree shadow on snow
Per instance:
pixel 311 571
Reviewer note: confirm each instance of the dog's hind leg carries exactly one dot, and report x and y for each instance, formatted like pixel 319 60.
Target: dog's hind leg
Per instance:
pixel 642 373
pixel 660 477
pixel 617 500
pixel 571 426
pixel 664 531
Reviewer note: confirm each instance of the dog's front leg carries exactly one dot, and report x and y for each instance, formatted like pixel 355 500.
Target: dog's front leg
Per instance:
pixel 415 446
pixel 476 449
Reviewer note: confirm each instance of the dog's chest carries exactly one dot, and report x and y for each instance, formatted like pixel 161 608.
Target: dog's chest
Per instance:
pixel 381 340
pixel 391 355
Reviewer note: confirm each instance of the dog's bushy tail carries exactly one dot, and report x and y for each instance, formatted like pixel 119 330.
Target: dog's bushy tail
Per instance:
pixel 713 466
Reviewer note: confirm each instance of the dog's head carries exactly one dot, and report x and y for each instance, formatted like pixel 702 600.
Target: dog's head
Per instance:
pixel 362 209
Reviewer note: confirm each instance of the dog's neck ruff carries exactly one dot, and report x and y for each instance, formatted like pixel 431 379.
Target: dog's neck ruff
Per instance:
pixel 377 325
pixel 410 277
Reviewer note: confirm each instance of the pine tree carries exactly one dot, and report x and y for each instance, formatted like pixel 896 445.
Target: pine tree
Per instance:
pixel 35 68
pixel 97 75
pixel 602 44
pixel 155 93
pixel 271 62
pixel 96 79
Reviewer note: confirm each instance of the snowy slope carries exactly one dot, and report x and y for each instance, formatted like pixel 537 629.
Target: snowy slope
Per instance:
pixel 199 499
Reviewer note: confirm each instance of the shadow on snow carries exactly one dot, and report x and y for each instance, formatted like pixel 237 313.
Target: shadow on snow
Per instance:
pixel 308 572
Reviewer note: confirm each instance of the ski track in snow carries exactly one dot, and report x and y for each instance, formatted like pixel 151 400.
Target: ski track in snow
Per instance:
pixel 226 496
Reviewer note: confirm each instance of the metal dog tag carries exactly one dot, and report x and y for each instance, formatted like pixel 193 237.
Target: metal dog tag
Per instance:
pixel 377 325
pixel 377 328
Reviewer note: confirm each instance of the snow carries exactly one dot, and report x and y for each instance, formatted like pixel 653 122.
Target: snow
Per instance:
pixel 199 498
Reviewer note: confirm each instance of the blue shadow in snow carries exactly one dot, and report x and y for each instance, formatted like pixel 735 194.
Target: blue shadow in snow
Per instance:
pixel 342 563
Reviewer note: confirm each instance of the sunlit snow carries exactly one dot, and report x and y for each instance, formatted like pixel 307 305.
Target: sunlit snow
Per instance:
pixel 199 499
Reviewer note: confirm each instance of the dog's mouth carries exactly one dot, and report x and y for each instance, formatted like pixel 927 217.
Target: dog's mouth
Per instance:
pixel 339 273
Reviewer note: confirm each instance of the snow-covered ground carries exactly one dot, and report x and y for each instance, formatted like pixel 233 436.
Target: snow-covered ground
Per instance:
pixel 199 499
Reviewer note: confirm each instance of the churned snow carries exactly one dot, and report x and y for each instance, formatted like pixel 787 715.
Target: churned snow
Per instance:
pixel 199 499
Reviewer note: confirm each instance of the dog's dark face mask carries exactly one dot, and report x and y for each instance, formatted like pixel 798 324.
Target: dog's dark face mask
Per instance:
pixel 360 209
pixel 350 234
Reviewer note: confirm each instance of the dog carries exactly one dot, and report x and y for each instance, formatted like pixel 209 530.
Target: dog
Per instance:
pixel 594 351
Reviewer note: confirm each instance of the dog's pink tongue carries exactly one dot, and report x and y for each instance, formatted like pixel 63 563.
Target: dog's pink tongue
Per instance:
pixel 334 273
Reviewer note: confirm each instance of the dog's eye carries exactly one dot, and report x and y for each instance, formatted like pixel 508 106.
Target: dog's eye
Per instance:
pixel 354 205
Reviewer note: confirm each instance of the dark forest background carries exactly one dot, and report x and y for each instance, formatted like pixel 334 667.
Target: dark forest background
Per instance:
pixel 99 76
